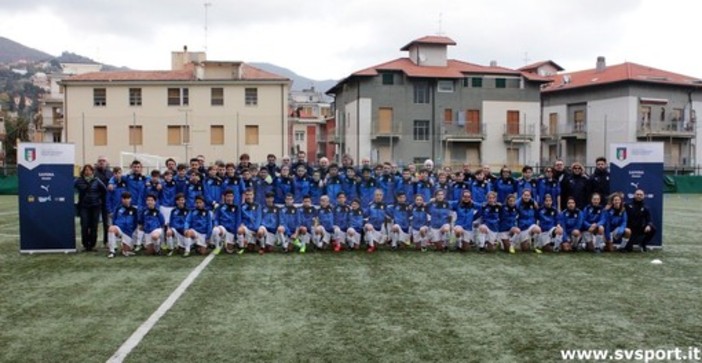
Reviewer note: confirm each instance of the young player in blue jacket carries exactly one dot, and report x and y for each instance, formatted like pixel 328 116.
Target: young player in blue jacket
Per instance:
pixel 115 187
pixel 263 185
pixel 505 184
pixel 175 236
pixel 333 185
pixel 488 230
pixel 466 213
pixel 366 189
pixel 125 220
pixel 551 233
pixel 168 192
pixel 509 231
pixel 198 225
pixel 351 184
pixel 341 221
pixel 325 228
pixel 227 219
pixel 232 182
pixel 528 182
pixel 440 221
pixel 571 220
pixel 356 224
pixel 405 184
pixel 527 221
pixel 401 214
pixel 550 185
pixel 376 229
pixel 250 222
pixel 270 221
pixel 593 225
pixel 301 186
pixel 480 189
pixel 289 217
pixel 616 219
pixel 419 224
pixel 136 184
pixel 308 217
pixel 284 185
pixel 151 222
pixel 387 182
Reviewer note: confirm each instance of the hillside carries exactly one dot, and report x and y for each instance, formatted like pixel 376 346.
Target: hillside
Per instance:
pixel 299 82
pixel 11 52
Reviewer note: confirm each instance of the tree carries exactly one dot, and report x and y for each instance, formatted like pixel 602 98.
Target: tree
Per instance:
pixel 16 130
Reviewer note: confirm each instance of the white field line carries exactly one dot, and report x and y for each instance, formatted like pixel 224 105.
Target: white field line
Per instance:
pixel 146 326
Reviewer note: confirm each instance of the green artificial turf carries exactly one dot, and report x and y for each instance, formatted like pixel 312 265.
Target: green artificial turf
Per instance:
pixel 352 306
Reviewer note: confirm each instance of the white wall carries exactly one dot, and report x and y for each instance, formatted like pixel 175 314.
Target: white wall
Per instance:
pixel 620 114
pixel 494 148
pixel 697 142
pixel 358 119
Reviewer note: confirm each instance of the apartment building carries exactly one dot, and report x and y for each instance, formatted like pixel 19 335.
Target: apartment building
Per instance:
pixel 309 113
pixel 220 109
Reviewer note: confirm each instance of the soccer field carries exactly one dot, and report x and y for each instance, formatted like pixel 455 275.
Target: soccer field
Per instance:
pixel 352 306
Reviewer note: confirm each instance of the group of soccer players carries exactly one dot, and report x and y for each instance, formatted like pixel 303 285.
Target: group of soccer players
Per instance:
pixel 288 207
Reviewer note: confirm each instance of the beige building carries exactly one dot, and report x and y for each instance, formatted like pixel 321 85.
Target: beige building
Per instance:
pixel 219 109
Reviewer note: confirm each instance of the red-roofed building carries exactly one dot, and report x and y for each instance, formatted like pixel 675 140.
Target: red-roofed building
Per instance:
pixel 426 105
pixel 220 109
pixel 585 111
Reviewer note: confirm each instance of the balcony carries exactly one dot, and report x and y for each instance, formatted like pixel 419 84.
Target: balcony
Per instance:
pixel 470 132
pixel 576 130
pixel 666 129
pixel 385 130
pixel 519 133
pixel 322 138
pixel 549 133
pixel 57 124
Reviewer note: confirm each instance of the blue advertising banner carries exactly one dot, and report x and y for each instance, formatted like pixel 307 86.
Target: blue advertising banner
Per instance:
pixel 640 166
pixel 46 207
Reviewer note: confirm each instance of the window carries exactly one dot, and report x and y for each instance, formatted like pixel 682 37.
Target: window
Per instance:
pixel 99 97
pixel 217 96
pixel 251 135
pixel 677 114
pixel 388 78
pixel 445 86
pixel 579 118
pixel 135 135
pixel 251 96
pixel 476 82
pixel 178 134
pixel 299 136
pixel 178 97
pixel 421 130
pixel 135 97
pixel 500 83
pixel 217 135
pixel 448 116
pixel 421 92
pixel 99 135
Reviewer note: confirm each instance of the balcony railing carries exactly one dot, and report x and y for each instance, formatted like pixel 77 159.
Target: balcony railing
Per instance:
pixel 519 133
pixel 679 129
pixel 56 124
pixel 577 130
pixel 470 132
pixel 393 130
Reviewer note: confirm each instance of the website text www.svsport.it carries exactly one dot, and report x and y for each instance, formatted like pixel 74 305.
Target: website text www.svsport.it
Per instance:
pixel 692 354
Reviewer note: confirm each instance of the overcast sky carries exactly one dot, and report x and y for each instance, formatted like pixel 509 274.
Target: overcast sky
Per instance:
pixel 330 39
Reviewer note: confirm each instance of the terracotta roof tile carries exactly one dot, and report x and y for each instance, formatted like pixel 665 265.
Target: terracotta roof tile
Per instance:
pixel 430 39
pixel 188 74
pixel 536 65
pixel 253 73
pixel 619 73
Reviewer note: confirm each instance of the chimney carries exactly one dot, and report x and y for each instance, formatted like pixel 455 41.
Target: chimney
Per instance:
pixel 493 63
pixel 601 65
pixel 186 59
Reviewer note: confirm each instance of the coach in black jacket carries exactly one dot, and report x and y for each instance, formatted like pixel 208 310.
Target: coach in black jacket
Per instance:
pixel 103 172
pixel 91 193
pixel 639 222
pixel 575 185
pixel 599 180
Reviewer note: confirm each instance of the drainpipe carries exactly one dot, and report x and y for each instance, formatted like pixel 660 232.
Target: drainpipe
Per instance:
pixel 358 121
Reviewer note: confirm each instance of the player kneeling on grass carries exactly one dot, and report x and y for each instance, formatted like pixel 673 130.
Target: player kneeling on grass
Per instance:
pixel 377 214
pixel 151 222
pixel 289 221
pixel 570 220
pixel 593 225
pixel 270 222
pixel 526 221
pixel 509 231
pixel 356 223
pixel 250 223
pixel 615 223
pixel 487 232
pixel 227 218
pixel 175 236
pixel 325 227
pixel 551 234
pixel 419 223
pixel 439 221
pixel 341 221
pixel 308 215
pixel 400 213
pixel 467 213
pixel 125 220
pixel 198 225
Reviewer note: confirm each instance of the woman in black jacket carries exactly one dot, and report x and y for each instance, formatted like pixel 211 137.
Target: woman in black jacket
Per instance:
pixel 91 193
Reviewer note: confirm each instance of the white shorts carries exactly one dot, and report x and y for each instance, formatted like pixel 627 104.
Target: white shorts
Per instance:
pixel 525 235
pixel 179 238
pixel 269 239
pixel 504 235
pixel 377 236
pixel 436 235
pixel 146 237
pixel 166 213
pixel 402 236
pixel 353 237
pixel 417 236
pixel 468 234
pixel 228 236
pixel 547 238
pixel 338 235
pixel 490 236
pixel 127 240
pixel 249 235
pixel 324 238
pixel 200 239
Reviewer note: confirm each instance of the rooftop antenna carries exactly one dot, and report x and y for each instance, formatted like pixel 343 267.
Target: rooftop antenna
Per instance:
pixel 207 6
pixel 526 58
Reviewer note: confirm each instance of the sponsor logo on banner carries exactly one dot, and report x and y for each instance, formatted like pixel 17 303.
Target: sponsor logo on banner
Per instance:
pixel 30 154
pixel 621 153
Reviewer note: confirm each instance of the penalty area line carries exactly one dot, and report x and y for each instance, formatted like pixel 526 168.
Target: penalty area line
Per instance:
pixel 146 326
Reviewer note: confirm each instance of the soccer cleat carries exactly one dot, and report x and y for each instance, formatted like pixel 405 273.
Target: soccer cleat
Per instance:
pixel 303 249
pixel 127 253
pixel 170 253
pixel 111 255
pixel 512 250
pixel 296 242
pixel 241 251
pixel 164 246
pixel 394 248
pixel 371 249
pixel 423 249
pixel 538 251
pixel 261 251
pixel 337 247
pixel 186 254
pixel 407 242
pixel 138 248
pixel 216 251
